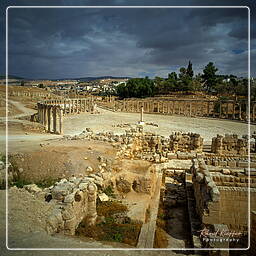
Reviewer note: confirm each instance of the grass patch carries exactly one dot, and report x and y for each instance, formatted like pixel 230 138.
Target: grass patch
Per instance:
pixel 46 182
pixel 109 208
pixel 111 229
pixel 21 182
pixel 109 191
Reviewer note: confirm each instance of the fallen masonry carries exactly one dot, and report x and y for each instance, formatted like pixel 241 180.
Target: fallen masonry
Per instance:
pixel 75 200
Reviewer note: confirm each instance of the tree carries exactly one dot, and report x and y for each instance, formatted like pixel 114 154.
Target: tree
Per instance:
pixel 136 87
pixel 173 76
pixel 185 82
pixel 182 73
pixel 209 76
pixel 190 72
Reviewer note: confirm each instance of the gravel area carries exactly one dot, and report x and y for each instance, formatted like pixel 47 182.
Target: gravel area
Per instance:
pixel 207 128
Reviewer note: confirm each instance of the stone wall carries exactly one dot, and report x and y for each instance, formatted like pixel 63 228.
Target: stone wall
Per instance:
pixel 229 144
pixel 186 142
pixel 232 199
pixel 231 161
pixel 75 200
pixel 206 193
pixel 143 182
pixel 221 204
pixel 155 148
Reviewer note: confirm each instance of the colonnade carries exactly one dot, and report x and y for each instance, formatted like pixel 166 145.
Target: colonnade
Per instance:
pixel 51 112
pixel 29 94
pixel 237 110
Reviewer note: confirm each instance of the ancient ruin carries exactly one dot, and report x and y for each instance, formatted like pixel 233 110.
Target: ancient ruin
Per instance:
pixel 176 190
pixel 236 110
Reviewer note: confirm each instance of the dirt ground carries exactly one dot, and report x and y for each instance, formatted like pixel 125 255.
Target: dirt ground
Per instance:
pixel 58 159
pixel 207 128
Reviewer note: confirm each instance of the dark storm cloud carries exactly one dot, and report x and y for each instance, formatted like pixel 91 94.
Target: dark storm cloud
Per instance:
pixel 133 42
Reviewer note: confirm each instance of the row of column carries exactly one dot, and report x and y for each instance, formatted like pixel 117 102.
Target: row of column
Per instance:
pixel 229 110
pixel 51 117
pixel 29 94
pixel 51 112
pixel 73 105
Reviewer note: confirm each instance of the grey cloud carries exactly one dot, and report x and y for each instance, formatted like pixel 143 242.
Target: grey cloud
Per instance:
pixel 78 42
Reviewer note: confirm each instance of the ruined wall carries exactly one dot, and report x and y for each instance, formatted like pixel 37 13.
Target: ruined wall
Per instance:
pixel 155 148
pixel 233 209
pixel 235 161
pixel 135 181
pixel 75 200
pixel 221 204
pixel 206 193
pixel 186 142
pixel 229 144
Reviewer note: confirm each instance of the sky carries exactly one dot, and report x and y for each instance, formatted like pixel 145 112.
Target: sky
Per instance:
pixel 136 42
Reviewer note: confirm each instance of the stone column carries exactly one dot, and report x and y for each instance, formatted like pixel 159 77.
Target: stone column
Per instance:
pixel 208 108
pixel 253 112
pixel 80 105
pixel 72 106
pixel 141 114
pixel 247 112
pixel 240 111
pixel 44 115
pixel 77 106
pixel 84 105
pixel 158 107
pixel 60 121
pixel 220 110
pixel 226 114
pixel 38 113
pixel 64 112
pixel 234 111
pixel 54 115
pixel 49 117
pixel 69 103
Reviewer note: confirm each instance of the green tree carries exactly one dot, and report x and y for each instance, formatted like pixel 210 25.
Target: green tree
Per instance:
pixel 209 76
pixel 185 81
pixel 182 73
pixel 190 71
pixel 136 87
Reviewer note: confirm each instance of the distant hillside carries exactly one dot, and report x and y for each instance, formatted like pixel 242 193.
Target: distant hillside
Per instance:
pixel 12 77
pixel 91 78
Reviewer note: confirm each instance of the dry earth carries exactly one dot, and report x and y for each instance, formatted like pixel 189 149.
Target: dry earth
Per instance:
pixel 207 128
